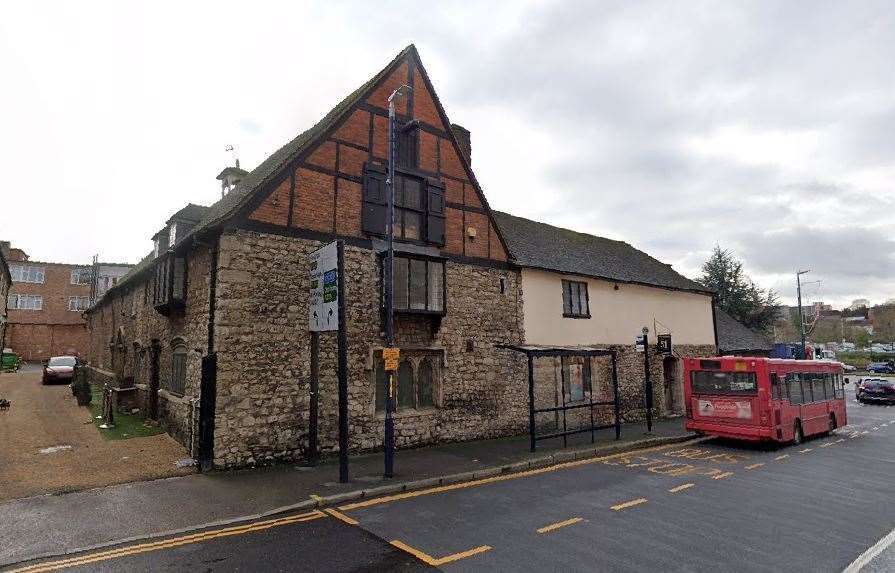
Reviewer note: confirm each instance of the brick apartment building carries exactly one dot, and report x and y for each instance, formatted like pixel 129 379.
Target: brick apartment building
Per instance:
pixel 212 325
pixel 5 285
pixel 45 306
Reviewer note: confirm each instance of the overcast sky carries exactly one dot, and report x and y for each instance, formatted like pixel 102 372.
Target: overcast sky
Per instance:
pixel 766 128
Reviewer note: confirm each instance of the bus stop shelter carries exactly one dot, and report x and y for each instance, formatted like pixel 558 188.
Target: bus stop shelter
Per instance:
pixel 533 352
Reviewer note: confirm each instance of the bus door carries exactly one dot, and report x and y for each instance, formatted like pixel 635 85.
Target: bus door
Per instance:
pixel 778 394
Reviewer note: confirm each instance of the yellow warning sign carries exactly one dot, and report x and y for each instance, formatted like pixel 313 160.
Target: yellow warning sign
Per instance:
pixel 391 356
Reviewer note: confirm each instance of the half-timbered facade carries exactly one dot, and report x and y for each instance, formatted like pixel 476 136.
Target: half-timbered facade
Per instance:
pixel 213 323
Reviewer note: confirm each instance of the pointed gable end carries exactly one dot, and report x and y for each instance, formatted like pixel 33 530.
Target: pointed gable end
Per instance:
pixel 330 179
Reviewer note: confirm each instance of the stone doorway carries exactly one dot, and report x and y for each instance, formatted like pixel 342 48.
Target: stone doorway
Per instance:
pixel 671 373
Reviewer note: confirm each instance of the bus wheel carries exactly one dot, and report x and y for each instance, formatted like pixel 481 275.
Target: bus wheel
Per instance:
pixel 797 434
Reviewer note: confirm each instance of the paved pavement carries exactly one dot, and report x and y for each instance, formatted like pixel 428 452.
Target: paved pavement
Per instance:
pixel 98 516
pixel 707 506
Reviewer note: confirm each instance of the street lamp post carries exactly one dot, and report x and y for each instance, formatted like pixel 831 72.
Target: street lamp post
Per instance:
pixel 801 319
pixel 389 438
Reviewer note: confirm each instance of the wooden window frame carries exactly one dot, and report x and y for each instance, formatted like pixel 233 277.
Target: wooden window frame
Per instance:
pixel 428 261
pixel 567 290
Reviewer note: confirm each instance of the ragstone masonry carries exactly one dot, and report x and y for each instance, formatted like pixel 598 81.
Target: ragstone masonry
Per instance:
pixel 264 361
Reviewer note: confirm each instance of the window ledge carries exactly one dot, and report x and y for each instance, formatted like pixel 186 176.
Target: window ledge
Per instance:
pixel 575 315
pixel 410 413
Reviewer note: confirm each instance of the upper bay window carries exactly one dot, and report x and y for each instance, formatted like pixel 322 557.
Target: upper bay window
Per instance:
pixel 419 285
pixel 574 299
pixel 419 206
pixel 169 285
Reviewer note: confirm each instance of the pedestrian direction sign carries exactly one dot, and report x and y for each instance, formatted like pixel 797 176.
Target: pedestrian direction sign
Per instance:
pixel 323 311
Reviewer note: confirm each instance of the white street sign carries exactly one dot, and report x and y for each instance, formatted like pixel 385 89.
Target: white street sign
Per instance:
pixel 323 311
pixel 639 345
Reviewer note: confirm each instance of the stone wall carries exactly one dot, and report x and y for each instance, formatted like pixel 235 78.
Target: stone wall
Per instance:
pixel 264 354
pixel 124 325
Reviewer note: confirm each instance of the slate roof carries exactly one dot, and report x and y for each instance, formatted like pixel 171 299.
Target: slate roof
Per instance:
pixel 230 203
pixel 734 336
pixel 539 245
pixel 191 212
pixel 236 198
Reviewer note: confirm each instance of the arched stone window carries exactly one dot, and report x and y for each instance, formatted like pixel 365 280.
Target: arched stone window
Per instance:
pixel 405 385
pixel 425 385
pixel 177 382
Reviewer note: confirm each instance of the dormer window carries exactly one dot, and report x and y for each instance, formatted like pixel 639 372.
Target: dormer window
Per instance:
pixel 155 248
pixel 172 234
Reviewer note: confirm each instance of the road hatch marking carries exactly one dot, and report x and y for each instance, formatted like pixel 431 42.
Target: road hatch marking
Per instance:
pixel 827 445
pixel 753 466
pixel 783 457
pixel 806 450
pixel 628 504
pixel 558 525
pixel 429 560
pixel 839 440
pixel 681 487
pixel 722 476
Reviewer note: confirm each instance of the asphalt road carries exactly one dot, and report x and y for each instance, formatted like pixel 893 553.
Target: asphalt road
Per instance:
pixel 709 506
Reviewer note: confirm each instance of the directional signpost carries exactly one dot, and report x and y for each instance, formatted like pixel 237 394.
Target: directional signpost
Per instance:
pixel 323 312
pixel 326 312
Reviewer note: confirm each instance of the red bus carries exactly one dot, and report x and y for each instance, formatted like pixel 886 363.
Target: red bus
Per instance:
pixel 773 399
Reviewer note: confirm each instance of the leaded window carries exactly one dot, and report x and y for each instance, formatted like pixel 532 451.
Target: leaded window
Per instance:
pixel 418 285
pixel 575 303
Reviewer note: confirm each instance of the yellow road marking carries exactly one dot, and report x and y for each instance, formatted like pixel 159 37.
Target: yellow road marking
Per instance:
pixel 827 445
pixel 628 504
pixel 429 560
pixel 681 487
pixel 168 543
pixel 806 450
pixel 341 516
pixel 559 524
pixel 500 478
pixel 783 457
pixel 722 476
pixel 753 466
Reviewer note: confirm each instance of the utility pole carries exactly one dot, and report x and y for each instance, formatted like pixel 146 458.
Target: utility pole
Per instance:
pixel 801 319
pixel 389 438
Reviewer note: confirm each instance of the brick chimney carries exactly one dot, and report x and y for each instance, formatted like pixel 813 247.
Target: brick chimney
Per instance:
pixel 465 141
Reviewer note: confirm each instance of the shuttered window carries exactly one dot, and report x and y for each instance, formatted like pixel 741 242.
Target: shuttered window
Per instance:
pixel 419 206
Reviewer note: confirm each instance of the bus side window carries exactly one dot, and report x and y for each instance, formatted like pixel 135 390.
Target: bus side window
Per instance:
pixel 828 386
pixel 817 384
pixel 794 383
pixel 775 387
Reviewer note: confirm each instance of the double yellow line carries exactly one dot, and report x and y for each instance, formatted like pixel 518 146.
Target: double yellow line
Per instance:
pixel 168 543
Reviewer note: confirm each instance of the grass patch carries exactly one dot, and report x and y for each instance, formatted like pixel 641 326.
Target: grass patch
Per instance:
pixel 126 425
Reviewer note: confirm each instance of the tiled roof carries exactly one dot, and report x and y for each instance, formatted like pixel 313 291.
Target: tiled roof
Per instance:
pixel 230 203
pixel 734 336
pixel 191 212
pixel 543 246
pixel 239 196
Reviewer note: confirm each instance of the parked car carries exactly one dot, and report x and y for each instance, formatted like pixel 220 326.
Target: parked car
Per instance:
pixel 881 368
pixel 848 367
pixel 875 390
pixel 59 369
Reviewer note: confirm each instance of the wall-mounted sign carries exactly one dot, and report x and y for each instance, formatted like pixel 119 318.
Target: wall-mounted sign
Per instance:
pixel 663 344
pixel 323 311
pixel 640 343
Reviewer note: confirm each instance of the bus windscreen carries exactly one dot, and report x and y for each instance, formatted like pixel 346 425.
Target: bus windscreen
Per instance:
pixel 714 382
